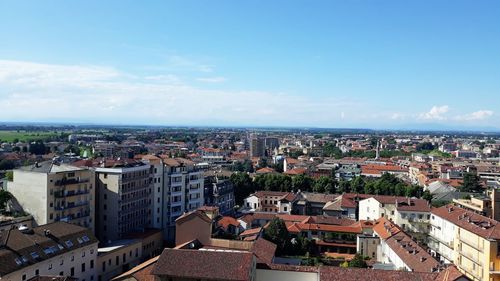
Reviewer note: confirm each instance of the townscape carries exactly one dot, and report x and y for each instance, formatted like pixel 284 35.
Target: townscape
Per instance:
pixel 145 203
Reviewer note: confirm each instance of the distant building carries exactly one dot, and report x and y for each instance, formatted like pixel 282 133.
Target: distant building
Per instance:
pixel 219 193
pixel 52 191
pixel 272 143
pixel 257 147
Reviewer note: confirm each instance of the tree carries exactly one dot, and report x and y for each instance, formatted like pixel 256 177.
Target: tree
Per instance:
pixel 471 183
pixel 358 261
pixel 5 197
pixel 277 233
pixel 243 186
pixel 72 149
pixel 427 196
pixel 344 186
pixel 9 175
pixel 37 148
pixel 425 147
pixel 302 182
pixel 324 184
pixel 358 185
pixel 6 165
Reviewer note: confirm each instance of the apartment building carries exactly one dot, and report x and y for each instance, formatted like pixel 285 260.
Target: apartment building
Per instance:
pixel 257 147
pixel 53 191
pixel 159 197
pixel 220 193
pixel 476 241
pixel 270 201
pixel 55 249
pixel 399 250
pixel 184 186
pixel 124 198
pixel 410 213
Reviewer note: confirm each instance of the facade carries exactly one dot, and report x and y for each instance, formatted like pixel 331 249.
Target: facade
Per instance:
pixel 124 200
pixel 53 191
pixel 184 186
pixel 270 201
pixel 475 247
pixel 219 193
pixel 399 250
pixel 55 249
pixel 257 147
pixel 411 214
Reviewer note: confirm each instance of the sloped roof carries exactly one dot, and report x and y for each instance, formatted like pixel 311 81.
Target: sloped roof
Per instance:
pixel 214 265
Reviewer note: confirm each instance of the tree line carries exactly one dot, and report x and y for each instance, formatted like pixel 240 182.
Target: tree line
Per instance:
pixel 387 184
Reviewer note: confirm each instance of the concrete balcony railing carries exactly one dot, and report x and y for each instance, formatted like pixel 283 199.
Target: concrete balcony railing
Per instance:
pixel 71 181
pixel 68 193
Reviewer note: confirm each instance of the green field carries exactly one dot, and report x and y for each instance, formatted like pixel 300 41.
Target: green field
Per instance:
pixel 10 136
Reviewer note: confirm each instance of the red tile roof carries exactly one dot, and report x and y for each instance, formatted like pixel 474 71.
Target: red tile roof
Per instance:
pixel 196 264
pixel 331 273
pixel 477 224
pixel 226 221
pixel 264 250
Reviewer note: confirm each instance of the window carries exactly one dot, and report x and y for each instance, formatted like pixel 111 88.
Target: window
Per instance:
pixel 117 260
pixel 91 263
pixel 24 277
pixel 72 258
pixel 80 241
pixel 18 261
pixel 68 243
pixel 61 273
pixel 62 262
pixel 105 175
pixel 35 255
pixel 83 267
pixel 103 266
pixel 83 254
pixel 37 271
pixel 124 258
pixel 72 271
pixel 50 266
pixel 285 208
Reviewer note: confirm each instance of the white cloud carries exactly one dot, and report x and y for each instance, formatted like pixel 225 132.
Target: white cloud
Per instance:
pixel 436 113
pixel 397 116
pixel 474 116
pixel 218 79
pixel 47 92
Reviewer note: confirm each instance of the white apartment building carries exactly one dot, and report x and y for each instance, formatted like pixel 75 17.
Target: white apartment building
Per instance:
pixel 52 191
pixel 56 249
pixel 269 201
pixel 184 186
pixel 441 238
pixel 410 214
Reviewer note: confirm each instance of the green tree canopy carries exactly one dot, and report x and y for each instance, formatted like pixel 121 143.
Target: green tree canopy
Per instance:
pixel 277 233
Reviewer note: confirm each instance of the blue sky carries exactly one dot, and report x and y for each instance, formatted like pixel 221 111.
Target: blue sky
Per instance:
pixel 375 64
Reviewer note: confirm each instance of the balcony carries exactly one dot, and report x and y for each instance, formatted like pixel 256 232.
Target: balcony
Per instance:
pixel 66 193
pixel 71 205
pixel 71 181
pixel 71 217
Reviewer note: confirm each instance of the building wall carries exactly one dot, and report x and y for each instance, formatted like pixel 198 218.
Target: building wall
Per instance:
pixel 63 196
pixel 412 221
pixel 124 201
pixel 193 228
pixel 36 200
pixel 442 237
pixel 62 265
pixel 278 275
pixel 367 245
pixel 113 263
pixel 387 255
pixel 369 209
